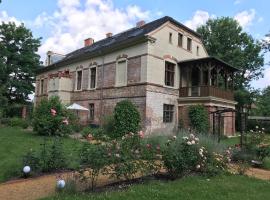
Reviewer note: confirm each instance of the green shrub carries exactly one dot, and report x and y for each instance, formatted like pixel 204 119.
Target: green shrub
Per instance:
pixel 46 122
pixel 97 133
pixel 50 157
pixel 180 158
pixel 198 117
pixel 18 122
pixel 5 121
pixel 108 125
pixel 126 118
pixel 131 156
pixel 94 159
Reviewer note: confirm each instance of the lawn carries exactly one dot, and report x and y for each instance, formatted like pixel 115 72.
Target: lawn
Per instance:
pixel 231 187
pixel 15 142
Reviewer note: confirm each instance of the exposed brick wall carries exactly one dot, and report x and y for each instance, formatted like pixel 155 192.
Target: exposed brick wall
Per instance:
pixel 85 79
pixel 109 75
pixel 73 77
pixel 156 97
pixel 134 70
pixel 227 123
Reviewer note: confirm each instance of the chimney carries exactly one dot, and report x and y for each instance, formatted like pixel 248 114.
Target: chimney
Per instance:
pixel 140 23
pixel 88 42
pixel 108 35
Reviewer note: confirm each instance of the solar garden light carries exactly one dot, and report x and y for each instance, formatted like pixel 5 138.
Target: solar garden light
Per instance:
pixel 60 184
pixel 26 171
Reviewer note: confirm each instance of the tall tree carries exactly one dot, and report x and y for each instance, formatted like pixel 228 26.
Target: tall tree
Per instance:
pixel 18 62
pixel 225 39
pixel 263 104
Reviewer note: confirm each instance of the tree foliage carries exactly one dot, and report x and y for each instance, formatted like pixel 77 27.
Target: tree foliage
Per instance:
pixel 224 38
pixel 264 102
pixel 198 117
pixel 126 118
pixel 18 62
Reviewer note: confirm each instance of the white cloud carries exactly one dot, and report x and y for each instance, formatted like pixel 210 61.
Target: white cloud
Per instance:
pixel 262 82
pixel 5 18
pixel 236 2
pixel 199 18
pixel 74 21
pixel 245 18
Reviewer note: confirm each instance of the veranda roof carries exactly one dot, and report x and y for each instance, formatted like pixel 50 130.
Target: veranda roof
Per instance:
pixel 75 106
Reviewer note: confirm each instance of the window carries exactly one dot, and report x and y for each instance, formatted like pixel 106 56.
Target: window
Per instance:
pixel 93 73
pixel 169 74
pixel 79 80
pixel 168 113
pixel 121 73
pixel 170 37
pixel 198 51
pixel 189 44
pixel 41 86
pixel 180 39
pixel 91 111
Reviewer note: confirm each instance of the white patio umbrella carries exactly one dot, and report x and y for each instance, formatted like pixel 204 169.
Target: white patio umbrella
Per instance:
pixel 77 108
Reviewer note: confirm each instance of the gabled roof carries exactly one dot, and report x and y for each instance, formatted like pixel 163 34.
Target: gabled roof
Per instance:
pixel 120 40
pixel 206 60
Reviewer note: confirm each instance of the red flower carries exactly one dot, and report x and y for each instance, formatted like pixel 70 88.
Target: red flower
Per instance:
pixel 158 147
pixel 149 146
pixel 53 112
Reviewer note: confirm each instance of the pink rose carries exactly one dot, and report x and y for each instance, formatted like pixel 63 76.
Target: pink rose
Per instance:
pixel 53 112
pixel 149 146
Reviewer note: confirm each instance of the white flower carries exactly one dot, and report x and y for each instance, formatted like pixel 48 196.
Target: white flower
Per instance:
pixel 174 137
pixel 198 167
pixel 257 127
pixel 196 139
pixel 189 143
pixel 191 136
pixel 193 142
pixel 263 129
pixel 185 138
pixel 117 155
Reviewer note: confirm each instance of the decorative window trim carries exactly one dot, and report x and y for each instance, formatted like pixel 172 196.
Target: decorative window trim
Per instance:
pixel 94 65
pixel 174 77
pixel 119 60
pixel 76 79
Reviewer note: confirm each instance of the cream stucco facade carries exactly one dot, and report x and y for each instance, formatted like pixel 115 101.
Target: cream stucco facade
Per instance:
pixel 144 82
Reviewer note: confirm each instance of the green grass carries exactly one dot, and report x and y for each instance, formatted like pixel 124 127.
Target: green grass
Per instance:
pixel 230 141
pixel 231 187
pixel 15 142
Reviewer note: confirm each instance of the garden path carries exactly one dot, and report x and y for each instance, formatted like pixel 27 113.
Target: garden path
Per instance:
pixel 43 186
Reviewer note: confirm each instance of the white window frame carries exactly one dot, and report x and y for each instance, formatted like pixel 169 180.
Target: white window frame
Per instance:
pixel 117 62
pixel 76 83
pixel 89 77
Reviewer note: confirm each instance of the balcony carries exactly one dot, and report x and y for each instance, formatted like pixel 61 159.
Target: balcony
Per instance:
pixel 206 77
pixel 205 91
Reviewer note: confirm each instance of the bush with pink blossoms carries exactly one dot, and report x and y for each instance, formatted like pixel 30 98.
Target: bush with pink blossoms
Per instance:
pixel 52 118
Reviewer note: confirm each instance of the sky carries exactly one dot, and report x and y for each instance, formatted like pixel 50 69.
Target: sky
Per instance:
pixel 64 24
